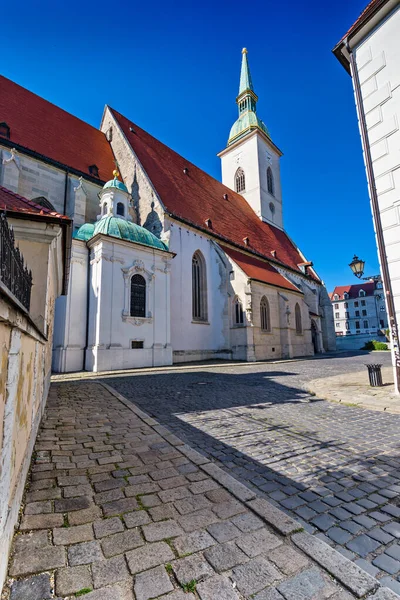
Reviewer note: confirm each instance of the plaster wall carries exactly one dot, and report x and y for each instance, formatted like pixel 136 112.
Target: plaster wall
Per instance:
pixel 32 178
pixel 378 58
pixel 253 154
pixel 194 340
pixel 111 328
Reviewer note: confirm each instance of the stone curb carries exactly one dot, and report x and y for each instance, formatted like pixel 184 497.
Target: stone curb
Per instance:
pixel 355 579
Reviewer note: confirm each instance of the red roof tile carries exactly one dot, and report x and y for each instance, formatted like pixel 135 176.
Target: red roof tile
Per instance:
pixel 353 290
pixel 195 196
pixel 13 203
pixel 257 269
pixel 46 129
pixel 363 16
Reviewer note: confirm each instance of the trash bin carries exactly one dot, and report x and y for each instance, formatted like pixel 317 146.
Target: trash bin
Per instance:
pixel 375 375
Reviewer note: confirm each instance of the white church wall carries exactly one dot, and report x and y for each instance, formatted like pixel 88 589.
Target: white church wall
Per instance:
pixel 32 178
pixel 267 157
pixel 267 344
pixel 71 315
pixel 378 58
pixel 193 340
pixel 111 328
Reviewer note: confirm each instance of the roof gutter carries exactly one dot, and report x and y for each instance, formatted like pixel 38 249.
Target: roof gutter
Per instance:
pixel 377 220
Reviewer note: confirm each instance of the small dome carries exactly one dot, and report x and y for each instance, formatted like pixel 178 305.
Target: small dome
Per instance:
pixel 248 120
pixel 126 230
pixel 116 183
pixel 85 232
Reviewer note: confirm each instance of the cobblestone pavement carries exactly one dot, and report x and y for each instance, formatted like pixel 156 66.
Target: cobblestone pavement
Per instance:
pixel 334 467
pixel 117 508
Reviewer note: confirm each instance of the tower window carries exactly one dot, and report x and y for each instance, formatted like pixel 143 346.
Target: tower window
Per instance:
pixel 270 181
pixel 238 316
pixel 199 287
pixel 297 317
pixel 105 208
pixel 138 296
pixel 265 315
pixel 120 209
pixel 240 180
pixel 4 130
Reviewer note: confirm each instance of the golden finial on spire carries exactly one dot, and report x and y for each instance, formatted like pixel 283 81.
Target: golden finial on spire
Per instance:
pixel 244 51
pixel 116 173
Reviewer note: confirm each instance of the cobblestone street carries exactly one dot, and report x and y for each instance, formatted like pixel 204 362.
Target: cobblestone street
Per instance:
pixel 117 508
pixel 336 468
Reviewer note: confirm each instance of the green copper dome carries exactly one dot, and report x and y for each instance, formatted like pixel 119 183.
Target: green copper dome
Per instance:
pixel 85 232
pixel 116 183
pixel 126 230
pixel 248 120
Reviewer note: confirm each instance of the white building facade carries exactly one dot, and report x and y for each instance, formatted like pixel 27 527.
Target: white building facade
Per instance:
pixel 370 52
pixel 359 309
pixel 171 265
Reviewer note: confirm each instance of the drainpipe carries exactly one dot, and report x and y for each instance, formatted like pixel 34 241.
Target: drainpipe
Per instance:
pixel 65 191
pixel 378 223
pixel 87 311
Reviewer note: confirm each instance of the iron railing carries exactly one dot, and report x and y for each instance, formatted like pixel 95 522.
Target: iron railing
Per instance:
pixel 13 273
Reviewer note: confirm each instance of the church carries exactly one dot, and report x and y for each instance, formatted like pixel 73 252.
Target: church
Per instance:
pixel 167 264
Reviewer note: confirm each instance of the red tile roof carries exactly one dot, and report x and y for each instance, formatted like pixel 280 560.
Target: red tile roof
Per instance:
pixel 195 196
pixel 13 203
pixel 259 270
pixel 353 290
pixel 46 129
pixel 363 16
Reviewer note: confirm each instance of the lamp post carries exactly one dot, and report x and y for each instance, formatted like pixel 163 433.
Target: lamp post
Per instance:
pixel 357 266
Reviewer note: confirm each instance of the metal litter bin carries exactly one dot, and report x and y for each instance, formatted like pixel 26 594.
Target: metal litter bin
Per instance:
pixel 375 375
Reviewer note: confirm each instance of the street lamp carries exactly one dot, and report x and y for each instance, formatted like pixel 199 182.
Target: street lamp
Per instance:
pixel 357 266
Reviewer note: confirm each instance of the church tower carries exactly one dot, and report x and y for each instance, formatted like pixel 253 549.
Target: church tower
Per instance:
pixel 250 162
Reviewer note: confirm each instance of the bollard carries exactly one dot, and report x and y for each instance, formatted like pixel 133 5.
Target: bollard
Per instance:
pixel 375 375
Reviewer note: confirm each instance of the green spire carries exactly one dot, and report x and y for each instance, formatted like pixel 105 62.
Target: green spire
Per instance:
pixel 247 105
pixel 245 76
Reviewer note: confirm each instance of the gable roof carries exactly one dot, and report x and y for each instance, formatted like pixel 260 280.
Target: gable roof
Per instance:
pixel 50 132
pixel 11 202
pixel 257 269
pixel 353 290
pixel 195 196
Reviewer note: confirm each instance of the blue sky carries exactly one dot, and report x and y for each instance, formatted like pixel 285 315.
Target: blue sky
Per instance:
pixel 173 68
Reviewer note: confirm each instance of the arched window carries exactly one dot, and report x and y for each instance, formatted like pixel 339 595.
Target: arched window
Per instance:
pixel 297 317
pixel 361 293
pixel 120 209
pixel 346 296
pixel 270 181
pixel 138 296
pixel 199 287
pixel 105 208
pixel 238 316
pixel 240 180
pixel 265 316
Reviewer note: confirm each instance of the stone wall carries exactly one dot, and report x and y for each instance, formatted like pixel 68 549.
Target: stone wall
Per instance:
pixel 24 381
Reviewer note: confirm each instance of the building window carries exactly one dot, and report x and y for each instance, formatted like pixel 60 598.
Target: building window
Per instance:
pixel 297 317
pixel 238 316
pixel 364 313
pixel 138 296
pixel 120 209
pixel 347 315
pixel 136 344
pixel 357 313
pixel 337 316
pixel 94 170
pixel 240 181
pixel 346 296
pixel 265 315
pixel 357 324
pixel 270 181
pixel 337 325
pixel 199 287
pixel 105 208
pixel 365 324
pixel 356 303
pixel 4 130
pixel 362 302
pixel 361 293
pixel 346 305
pixel 347 325
pixel 336 297
pixel 336 306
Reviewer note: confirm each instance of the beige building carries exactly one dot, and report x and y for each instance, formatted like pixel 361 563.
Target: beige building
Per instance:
pixel 27 299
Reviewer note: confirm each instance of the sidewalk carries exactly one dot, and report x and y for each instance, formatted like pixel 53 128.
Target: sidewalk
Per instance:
pixel 354 389
pixel 120 509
